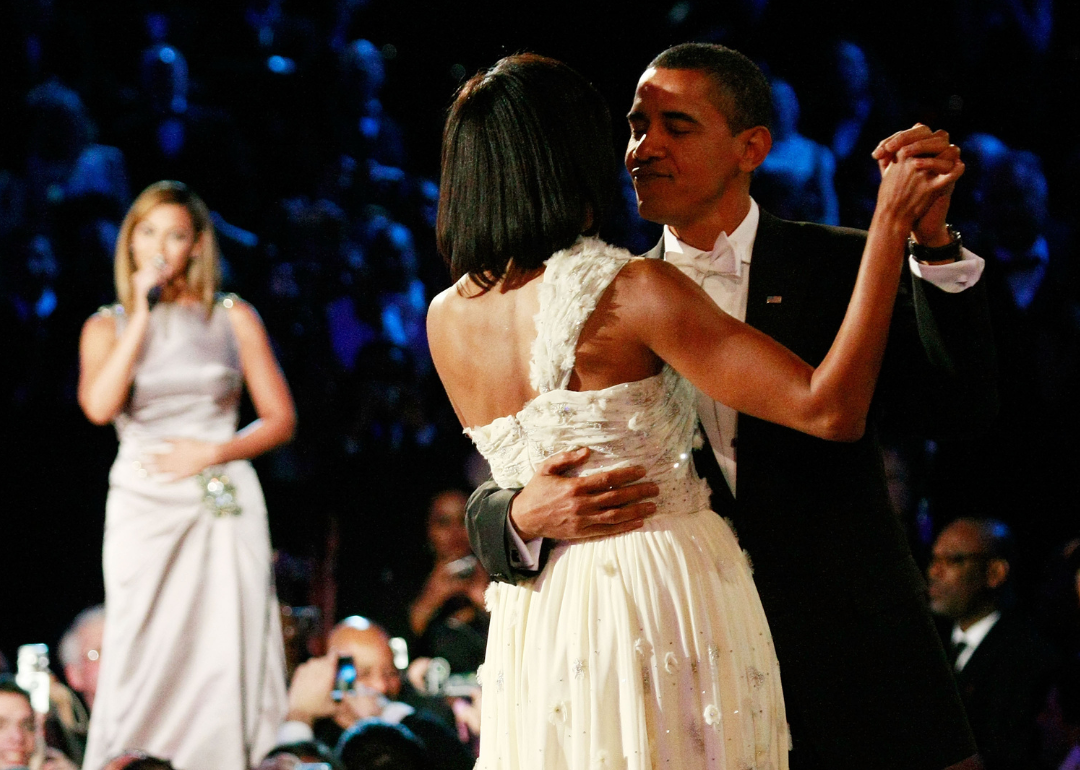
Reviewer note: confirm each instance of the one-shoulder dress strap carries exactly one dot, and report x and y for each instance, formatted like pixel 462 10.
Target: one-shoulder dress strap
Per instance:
pixel 574 280
pixel 226 299
pixel 115 312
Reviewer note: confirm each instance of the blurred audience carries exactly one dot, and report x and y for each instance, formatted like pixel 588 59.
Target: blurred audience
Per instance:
pixel 288 755
pixel 378 691
pixel 1036 321
pixel 1003 668
pixel 80 652
pixel 795 181
pixel 448 618
pixel 137 760
pixel 373 745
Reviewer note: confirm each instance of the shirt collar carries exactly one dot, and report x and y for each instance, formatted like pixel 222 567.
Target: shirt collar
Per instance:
pixel 741 238
pixel 977 631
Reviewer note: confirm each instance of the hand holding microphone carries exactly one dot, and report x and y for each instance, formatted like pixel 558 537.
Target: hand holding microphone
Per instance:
pixel 153 296
pixel 149 281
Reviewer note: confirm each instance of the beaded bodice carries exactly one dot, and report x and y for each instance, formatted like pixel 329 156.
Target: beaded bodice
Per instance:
pixel 650 422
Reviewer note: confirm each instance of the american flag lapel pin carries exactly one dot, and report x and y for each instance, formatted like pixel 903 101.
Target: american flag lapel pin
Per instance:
pixel 773 299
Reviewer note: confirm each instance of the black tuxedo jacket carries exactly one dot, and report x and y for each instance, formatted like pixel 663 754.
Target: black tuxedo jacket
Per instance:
pixel 1004 686
pixel 865 678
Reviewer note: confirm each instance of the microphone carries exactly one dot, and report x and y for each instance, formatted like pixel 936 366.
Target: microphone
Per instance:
pixel 153 296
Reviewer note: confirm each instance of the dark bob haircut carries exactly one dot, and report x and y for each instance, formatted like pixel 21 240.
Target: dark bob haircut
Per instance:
pixel 527 166
pixel 742 91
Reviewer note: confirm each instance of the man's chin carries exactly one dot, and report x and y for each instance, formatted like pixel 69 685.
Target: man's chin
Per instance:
pixel 652 211
pixel 940 607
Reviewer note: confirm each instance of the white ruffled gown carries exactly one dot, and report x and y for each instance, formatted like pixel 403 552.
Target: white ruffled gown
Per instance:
pixel 642 650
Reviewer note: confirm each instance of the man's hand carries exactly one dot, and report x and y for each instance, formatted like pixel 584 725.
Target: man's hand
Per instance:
pixel 929 230
pixel 570 507
pixel 309 693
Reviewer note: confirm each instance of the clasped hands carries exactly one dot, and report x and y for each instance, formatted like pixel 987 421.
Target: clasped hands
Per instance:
pixel 930 228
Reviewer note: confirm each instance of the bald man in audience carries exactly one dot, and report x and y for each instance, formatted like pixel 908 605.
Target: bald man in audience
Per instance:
pixel 313 712
pixel 80 652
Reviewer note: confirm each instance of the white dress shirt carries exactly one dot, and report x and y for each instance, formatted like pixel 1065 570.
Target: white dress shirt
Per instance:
pixel 972 638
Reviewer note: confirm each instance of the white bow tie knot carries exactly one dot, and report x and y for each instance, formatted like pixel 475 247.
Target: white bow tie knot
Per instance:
pixel 722 260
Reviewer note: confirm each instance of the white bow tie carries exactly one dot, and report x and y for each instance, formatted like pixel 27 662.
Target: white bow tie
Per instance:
pixel 722 260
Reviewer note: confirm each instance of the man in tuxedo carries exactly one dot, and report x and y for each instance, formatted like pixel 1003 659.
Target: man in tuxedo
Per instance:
pixel 865 678
pixel 1003 668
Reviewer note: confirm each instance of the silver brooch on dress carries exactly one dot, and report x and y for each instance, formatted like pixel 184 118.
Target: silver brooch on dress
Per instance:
pixel 219 493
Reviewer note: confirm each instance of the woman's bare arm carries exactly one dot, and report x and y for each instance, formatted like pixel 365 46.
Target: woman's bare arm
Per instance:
pixel 745 369
pixel 266 384
pixel 107 364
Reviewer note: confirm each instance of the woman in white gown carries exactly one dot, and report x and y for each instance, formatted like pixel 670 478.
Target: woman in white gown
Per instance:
pixel 647 649
pixel 192 664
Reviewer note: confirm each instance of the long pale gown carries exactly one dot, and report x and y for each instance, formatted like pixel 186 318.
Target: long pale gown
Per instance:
pixel 642 650
pixel 192 665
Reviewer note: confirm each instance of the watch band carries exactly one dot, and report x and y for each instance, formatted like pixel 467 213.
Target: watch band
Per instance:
pixel 949 252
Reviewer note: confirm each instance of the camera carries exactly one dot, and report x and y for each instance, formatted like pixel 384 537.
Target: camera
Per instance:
pixel 439 681
pixel 344 678
pixel 33 675
pixel 465 567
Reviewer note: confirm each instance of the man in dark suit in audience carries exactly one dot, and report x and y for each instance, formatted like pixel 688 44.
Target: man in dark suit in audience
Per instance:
pixel 1002 668
pixel 865 678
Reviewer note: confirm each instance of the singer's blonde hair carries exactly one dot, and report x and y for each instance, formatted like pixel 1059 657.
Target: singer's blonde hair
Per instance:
pixel 203 272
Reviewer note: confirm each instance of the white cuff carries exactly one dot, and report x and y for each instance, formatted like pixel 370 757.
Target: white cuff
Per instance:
pixel 953 277
pixel 524 556
pixel 294 732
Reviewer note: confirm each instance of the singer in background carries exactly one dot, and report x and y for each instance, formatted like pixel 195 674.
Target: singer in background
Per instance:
pixel 192 665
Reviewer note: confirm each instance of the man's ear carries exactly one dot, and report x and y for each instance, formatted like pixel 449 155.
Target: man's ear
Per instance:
pixel 758 142
pixel 997 572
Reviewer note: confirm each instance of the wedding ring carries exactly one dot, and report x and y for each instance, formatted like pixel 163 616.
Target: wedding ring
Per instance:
pixel 160 263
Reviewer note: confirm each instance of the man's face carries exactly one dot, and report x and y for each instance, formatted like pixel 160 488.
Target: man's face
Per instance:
pixel 372 656
pixel 682 155
pixel 16 730
pixel 958 571
pixel 446 531
pixel 83 675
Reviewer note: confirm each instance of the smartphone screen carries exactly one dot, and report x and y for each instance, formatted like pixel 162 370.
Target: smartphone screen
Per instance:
pixel 345 678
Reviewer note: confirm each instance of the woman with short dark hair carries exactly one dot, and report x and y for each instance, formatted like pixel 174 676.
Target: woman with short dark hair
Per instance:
pixel 648 648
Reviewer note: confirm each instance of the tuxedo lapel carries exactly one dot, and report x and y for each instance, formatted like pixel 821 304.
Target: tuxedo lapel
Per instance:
pixel 986 656
pixel 778 281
